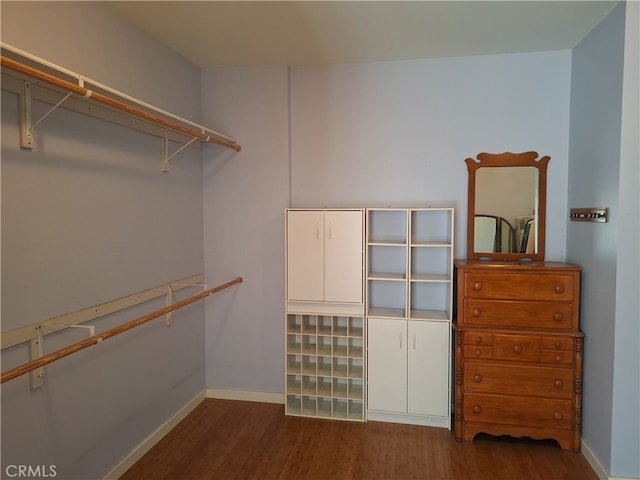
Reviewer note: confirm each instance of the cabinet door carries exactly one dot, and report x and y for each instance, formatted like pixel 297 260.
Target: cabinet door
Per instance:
pixel 428 368
pixel 387 365
pixel 305 255
pixel 343 269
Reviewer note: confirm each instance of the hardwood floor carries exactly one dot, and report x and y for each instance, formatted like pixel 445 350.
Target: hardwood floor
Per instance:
pixel 225 439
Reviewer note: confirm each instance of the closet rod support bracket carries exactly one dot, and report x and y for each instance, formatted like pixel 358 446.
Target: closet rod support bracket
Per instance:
pixel 36 352
pixel 24 106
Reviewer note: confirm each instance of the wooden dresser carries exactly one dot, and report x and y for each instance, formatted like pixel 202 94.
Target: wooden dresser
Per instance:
pixel 518 351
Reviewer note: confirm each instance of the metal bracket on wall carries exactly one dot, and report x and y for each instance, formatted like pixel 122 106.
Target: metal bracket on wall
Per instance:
pixel 165 150
pixel 598 215
pixel 26 126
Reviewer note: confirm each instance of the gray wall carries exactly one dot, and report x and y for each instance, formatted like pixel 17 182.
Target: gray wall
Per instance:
pixel 88 217
pixel 601 175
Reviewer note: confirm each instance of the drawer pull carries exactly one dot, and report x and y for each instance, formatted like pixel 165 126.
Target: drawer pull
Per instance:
pixel 478 339
pixel 557 415
pixel 477 378
pixel 477 286
pixel 477 409
pixel 558 358
pixel 558 317
pixel 558 384
pixel 517 348
pixel 476 312
pixel 477 353
pixel 559 288
pixel 558 344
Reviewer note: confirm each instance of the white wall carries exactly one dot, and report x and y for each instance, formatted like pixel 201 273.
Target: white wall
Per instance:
pixel 88 217
pixel 604 166
pixel 361 135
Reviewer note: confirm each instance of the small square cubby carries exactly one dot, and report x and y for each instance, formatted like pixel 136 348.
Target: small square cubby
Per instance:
pixel 325 323
pixel 340 326
pixel 340 408
pixel 324 345
pixel 294 384
pixel 387 225
pixel 294 363
pixel 324 386
pixel 324 407
pixel 340 346
pixel 431 226
pixel 340 367
pixel 356 389
pixel 430 300
pixel 431 263
pixel 356 348
pixel 340 388
pixel 294 404
pixel 294 343
pixel 355 409
pixel 387 298
pixel 356 327
pixel 355 368
pixel 309 344
pixel 309 405
pixel 309 385
pixel 309 324
pixel 309 364
pixel 387 261
pixel 324 366
pixel 294 323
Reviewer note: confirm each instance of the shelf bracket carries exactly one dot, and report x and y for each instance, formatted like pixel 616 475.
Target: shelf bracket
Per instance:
pixel 36 352
pixel 27 127
pixel 168 318
pixel 165 150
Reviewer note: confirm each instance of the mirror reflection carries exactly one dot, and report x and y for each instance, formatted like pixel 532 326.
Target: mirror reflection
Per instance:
pixel 506 202
pixel 507 206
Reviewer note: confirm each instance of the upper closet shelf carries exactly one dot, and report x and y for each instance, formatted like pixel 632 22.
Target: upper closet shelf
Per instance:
pixel 24 73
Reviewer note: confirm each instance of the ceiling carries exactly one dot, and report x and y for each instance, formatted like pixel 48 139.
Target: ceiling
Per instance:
pixel 255 33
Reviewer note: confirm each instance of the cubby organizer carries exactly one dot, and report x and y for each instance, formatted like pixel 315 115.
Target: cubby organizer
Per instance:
pixel 410 263
pixel 325 366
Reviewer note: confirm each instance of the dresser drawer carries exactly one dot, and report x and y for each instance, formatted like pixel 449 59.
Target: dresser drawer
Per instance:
pixel 518 380
pixel 479 352
pixel 517 348
pixel 517 410
pixel 478 338
pixel 505 313
pixel 557 343
pixel 519 286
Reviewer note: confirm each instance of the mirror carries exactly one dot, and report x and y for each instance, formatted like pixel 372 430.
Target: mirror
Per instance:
pixel 507 206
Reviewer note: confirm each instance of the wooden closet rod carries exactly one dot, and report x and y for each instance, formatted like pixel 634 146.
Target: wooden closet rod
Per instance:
pixel 131 110
pixel 75 347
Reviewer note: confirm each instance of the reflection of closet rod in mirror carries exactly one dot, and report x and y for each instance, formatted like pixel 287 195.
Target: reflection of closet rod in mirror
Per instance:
pixel 534 248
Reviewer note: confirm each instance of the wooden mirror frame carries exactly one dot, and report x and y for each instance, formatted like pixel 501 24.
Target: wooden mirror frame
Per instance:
pixel 507 159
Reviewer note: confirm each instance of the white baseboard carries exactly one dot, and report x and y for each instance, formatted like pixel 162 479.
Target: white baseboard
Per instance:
pixel 146 445
pixel 592 460
pixel 247 396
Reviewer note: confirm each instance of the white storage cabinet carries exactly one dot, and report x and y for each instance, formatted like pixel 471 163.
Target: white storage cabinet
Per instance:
pixel 325 327
pixel 409 300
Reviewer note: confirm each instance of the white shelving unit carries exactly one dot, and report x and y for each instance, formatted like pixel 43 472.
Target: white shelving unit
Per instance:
pixel 325 323
pixel 409 265
pixel 325 366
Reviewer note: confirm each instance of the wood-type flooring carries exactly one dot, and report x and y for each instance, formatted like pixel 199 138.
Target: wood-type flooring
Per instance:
pixel 227 439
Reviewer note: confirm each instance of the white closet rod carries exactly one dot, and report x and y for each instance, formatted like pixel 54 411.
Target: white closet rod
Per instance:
pixel 84 80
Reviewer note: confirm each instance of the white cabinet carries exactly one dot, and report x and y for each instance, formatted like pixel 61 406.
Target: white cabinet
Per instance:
pixel 325 256
pixel 408 365
pixel 409 301
pixel 325 325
